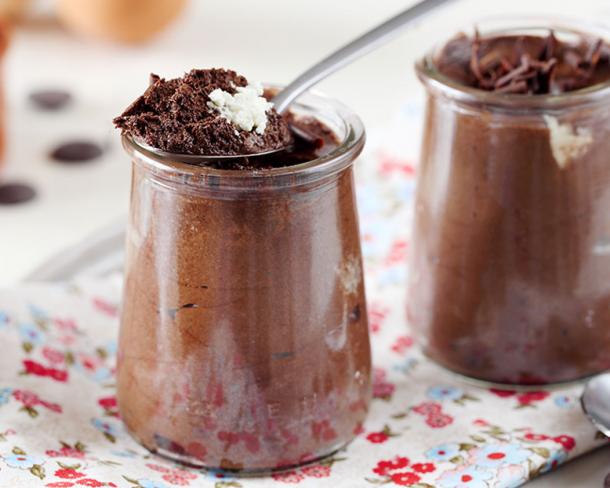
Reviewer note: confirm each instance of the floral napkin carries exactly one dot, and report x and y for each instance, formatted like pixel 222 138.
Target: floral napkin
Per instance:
pixel 59 425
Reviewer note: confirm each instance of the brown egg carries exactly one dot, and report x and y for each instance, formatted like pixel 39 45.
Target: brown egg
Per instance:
pixel 13 10
pixel 127 21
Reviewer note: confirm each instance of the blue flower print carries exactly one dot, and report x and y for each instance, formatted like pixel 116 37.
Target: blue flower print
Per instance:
pixel 38 313
pixel 3 319
pixel 30 333
pixel 496 455
pixel 111 348
pixel 102 374
pixel 555 460
pixel 406 366
pixel 565 401
pixel 441 393
pixel 444 452
pixel 5 395
pixel 21 461
pixel 125 454
pixel 104 427
pixel 468 477
pixel 151 484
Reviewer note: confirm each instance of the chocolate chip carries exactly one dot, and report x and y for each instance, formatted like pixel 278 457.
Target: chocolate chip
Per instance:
pixel 50 99
pixel 13 193
pixel 282 355
pixel 76 152
pixel 354 315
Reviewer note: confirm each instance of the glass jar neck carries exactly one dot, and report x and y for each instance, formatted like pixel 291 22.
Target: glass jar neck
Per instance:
pixel 346 125
pixel 438 84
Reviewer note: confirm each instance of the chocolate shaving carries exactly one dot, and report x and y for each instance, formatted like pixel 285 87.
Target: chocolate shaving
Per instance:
pixel 527 64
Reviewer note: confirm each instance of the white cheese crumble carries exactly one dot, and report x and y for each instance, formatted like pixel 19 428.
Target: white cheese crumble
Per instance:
pixel 247 109
pixel 566 143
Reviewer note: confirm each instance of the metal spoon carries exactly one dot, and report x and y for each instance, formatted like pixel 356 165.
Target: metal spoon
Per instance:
pixel 360 46
pixel 595 402
pixel 364 44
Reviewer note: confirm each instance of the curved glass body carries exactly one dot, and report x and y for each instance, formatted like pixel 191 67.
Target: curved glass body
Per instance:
pixel 510 262
pixel 244 339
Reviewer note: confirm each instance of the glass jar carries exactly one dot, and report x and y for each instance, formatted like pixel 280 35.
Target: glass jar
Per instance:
pixel 244 339
pixel 510 260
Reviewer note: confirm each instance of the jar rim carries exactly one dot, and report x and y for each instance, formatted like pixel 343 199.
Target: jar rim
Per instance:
pixel 433 79
pixel 312 103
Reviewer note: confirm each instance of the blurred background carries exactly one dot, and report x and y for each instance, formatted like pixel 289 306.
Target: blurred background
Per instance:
pixel 101 52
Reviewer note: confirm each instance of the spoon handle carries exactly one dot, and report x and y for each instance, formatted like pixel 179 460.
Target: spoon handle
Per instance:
pixel 352 51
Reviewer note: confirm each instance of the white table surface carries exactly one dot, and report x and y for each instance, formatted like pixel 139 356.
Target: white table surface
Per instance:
pixel 270 40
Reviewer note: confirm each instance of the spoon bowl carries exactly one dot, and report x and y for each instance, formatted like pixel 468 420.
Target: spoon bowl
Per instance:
pixel 595 402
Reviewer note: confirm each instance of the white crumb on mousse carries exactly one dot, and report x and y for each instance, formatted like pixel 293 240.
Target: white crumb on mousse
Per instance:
pixel 246 109
pixel 567 143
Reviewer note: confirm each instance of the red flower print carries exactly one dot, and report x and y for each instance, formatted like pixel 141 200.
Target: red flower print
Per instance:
pixel 60 484
pixel 398 252
pixel 32 367
pixel 230 438
pixel 566 441
pixel 68 474
pixel 107 402
pixel 389 164
pixel 535 437
pixel 54 407
pixel 196 450
pixel 66 452
pixel 377 437
pixel 90 482
pixel 530 397
pixel 402 344
pixel 65 324
pixel 323 430
pixel 423 467
pixel 384 467
pixel 405 478
pixel 37 369
pixel 58 374
pixel 26 397
pixel 481 422
pixel 160 469
pixel 251 442
pixel 317 471
pixel 383 390
pixel 175 479
pixel 428 408
pixel 105 307
pixel 502 393
pixel 182 473
pixel 53 356
pixel 376 317
pixel 288 477
pixel 438 421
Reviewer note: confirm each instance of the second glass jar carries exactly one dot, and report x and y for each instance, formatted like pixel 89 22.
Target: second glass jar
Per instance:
pixel 510 262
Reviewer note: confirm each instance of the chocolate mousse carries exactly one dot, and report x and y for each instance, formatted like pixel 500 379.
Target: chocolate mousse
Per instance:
pixel 525 64
pixel 178 116
pixel 244 340
pixel 511 254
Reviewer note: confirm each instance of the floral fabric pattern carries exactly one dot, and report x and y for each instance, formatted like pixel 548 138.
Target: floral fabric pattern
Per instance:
pixel 61 428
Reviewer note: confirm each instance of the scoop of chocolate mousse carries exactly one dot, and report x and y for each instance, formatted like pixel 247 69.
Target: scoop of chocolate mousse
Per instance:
pixel 525 64
pixel 207 112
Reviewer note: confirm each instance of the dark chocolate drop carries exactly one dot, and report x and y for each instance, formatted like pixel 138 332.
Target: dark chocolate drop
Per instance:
pixel 13 193
pixel 50 99
pixel 76 152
